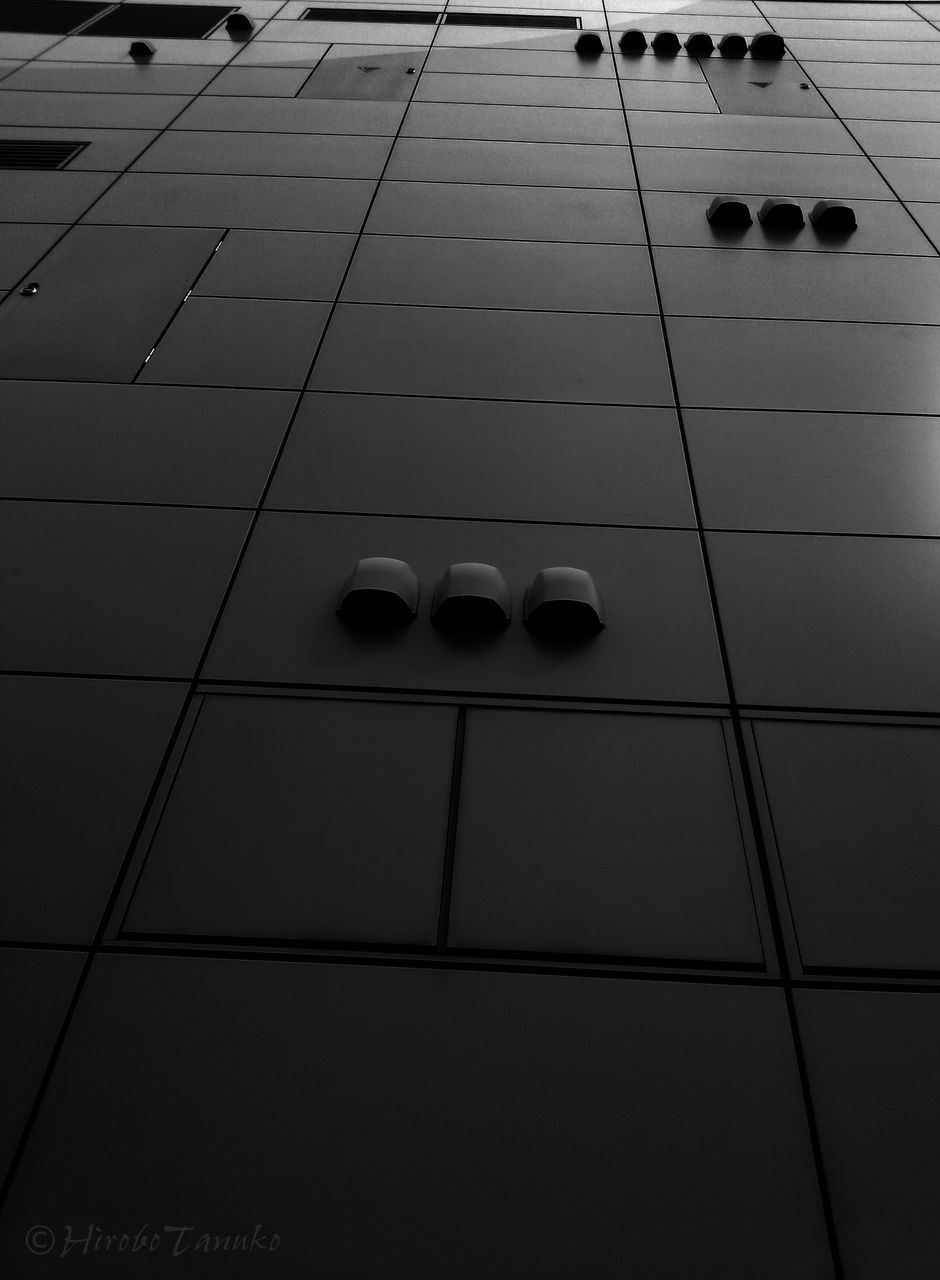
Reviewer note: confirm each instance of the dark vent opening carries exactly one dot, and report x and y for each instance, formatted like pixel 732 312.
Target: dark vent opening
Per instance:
pixel 371 15
pixel 173 21
pixel 513 20
pixel 25 153
pixel 46 17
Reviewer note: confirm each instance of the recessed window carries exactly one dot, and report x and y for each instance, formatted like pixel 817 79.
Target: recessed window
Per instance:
pixel 371 15
pixel 513 20
pixel 174 21
pixel 46 17
pixel 24 153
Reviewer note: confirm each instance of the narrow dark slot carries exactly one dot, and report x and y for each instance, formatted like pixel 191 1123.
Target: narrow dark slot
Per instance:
pixel 556 22
pixel 172 21
pixel 372 15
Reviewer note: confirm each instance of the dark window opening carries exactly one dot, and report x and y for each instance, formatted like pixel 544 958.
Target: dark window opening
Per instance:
pixel 179 21
pixel 513 20
pixel 25 153
pixel 371 15
pixel 46 17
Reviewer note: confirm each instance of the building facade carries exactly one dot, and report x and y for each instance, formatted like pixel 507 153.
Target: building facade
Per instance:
pixel 471 612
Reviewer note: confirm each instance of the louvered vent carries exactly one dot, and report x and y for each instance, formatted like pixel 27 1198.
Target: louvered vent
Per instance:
pixel 26 153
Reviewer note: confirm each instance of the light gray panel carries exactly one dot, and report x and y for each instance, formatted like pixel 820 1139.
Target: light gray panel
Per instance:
pixel 855 29
pixel 553 1113
pixel 112 590
pixel 237 342
pixel 79 759
pixel 291 115
pixel 506 212
pixel 748 88
pixel 304 819
pixel 738 132
pixel 885 104
pixel 86 77
pixel 503 355
pixel 104 443
pixel 518 62
pixel 280 53
pixel 90 48
pixel 514 124
pixel 848 623
pixel 22 244
pixel 928 216
pixel 913 179
pixel 659 643
pixel 281 154
pixel 884 227
pixel 91 110
pixel 49 197
pixel 801 364
pixel 547 91
pixel 281 204
pixel 855 810
pixel 501 273
pixel 897 138
pixel 777 174
pixel 520 163
pixel 260 82
pixel 372 75
pixel 37 988
pixel 873 1059
pixel 873 75
pixel 723 282
pixel 662 95
pixel 816 472
pixel 570 841
pixel 920 51
pixel 105 294
pixel 653 18
pixel 401 456
pixel 278 264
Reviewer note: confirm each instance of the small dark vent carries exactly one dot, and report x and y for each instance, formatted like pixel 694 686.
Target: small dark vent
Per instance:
pixel 46 17
pixel 371 15
pixel 172 21
pixel 513 20
pixel 24 153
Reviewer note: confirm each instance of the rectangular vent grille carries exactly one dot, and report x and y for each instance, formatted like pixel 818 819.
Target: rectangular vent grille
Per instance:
pixel 16 153
pixel 46 17
pixel 173 21
pixel 512 20
pixel 371 15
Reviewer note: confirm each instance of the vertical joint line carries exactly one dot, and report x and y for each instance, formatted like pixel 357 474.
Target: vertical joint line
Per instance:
pixel 450 842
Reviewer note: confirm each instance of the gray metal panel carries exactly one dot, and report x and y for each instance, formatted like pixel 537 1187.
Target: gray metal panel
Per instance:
pixel 278 264
pixel 289 115
pixel 107 443
pixel 514 123
pixel 304 819
pixel 548 91
pixel 570 839
pixel 721 282
pixel 105 294
pixel 778 173
pixel 199 200
pixel 659 642
pixel 370 75
pixel 91 110
pixel 747 87
pixel 398 455
pixel 552 1113
pixel 500 274
pixel 111 590
pixel 49 197
pixel 520 62
pixel 507 212
pixel 830 622
pixel 521 355
pixel 278 155
pixel 37 988
pixel 745 133
pixel 855 812
pixel 802 364
pixel 85 77
pixel 239 342
pixel 816 472
pixel 22 244
pixel 78 761
pixel 873 1060
pixel 542 164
